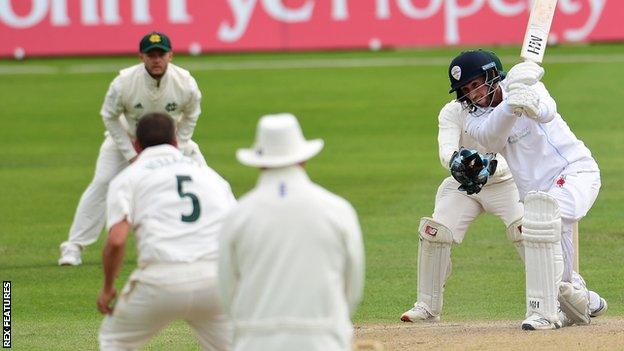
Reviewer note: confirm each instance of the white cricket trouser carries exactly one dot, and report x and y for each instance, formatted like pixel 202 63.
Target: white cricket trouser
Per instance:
pixel 456 210
pixel 91 211
pixel 143 309
pixel 575 195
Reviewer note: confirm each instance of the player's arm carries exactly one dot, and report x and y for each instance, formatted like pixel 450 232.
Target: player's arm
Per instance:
pixel 547 105
pixel 112 259
pixel 449 131
pixel 190 114
pixel 111 112
pixel 492 132
pixel 354 275
pixel 119 218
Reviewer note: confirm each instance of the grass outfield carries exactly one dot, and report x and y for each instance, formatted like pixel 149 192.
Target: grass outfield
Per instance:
pixel 377 114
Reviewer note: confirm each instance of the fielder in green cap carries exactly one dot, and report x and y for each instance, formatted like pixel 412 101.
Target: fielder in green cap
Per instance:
pixel 154 85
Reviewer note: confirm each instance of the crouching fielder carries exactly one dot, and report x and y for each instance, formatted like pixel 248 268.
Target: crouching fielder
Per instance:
pixel 175 207
pixel 557 178
pixel 454 211
pixel 155 85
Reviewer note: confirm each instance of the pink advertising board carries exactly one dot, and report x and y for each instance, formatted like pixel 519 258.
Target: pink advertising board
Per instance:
pixel 95 27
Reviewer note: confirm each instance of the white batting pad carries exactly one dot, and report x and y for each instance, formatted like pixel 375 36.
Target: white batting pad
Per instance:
pixel 434 263
pixel 541 232
pixel 514 234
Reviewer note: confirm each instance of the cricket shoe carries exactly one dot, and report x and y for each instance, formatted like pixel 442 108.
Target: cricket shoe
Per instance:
pixel 70 254
pixel 602 309
pixel 574 303
pixel 419 313
pixel 537 322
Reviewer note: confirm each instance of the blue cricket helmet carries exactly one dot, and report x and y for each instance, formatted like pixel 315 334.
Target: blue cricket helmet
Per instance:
pixel 471 64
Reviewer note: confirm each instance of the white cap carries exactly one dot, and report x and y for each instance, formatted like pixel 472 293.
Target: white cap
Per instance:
pixel 279 143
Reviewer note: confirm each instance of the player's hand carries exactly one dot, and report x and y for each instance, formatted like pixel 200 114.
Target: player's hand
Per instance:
pixel 527 73
pixel 522 97
pixel 104 301
pixel 472 170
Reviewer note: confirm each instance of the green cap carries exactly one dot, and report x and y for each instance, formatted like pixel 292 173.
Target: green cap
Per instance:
pixel 155 40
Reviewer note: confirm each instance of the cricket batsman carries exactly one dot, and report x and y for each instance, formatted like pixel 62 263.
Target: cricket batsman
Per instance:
pixel 558 180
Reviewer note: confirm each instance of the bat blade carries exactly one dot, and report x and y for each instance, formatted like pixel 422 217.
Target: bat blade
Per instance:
pixel 538 28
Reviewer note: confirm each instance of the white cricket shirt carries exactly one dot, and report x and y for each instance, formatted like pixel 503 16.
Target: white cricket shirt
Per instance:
pixel 134 93
pixel 175 206
pixel 292 259
pixel 452 135
pixel 537 151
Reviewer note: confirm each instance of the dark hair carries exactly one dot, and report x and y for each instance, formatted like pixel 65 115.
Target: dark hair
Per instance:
pixel 155 129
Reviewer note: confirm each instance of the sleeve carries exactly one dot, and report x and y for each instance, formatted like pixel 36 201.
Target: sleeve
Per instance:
pixel 548 106
pixel 493 130
pixel 190 115
pixel 354 275
pixel 449 131
pixel 119 202
pixel 228 271
pixel 111 113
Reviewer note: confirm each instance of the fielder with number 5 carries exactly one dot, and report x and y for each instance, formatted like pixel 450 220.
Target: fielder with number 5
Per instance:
pixel 175 206
pixel 154 85
pixel 557 178
pixel 459 201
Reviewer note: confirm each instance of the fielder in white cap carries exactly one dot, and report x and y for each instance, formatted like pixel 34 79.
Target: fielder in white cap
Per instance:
pixel 291 267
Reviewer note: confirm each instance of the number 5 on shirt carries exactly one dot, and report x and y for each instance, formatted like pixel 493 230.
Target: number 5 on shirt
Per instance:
pixel 196 209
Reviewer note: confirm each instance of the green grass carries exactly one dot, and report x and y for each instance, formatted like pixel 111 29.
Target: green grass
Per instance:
pixel 379 126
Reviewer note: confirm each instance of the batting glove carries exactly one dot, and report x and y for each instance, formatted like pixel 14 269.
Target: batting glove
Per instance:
pixel 521 97
pixel 527 73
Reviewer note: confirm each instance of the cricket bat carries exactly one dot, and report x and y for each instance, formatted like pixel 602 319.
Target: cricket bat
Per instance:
pixel 533 49
pixel 538 28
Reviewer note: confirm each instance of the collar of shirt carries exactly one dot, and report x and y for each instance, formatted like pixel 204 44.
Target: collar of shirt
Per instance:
pixel 275 175
pixel 155 83
pixel 159 150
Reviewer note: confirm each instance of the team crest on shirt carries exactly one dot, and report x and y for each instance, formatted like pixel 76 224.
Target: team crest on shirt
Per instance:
pixel 431 230
pixel 172 106
pixel 456 72
pixel 561 181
